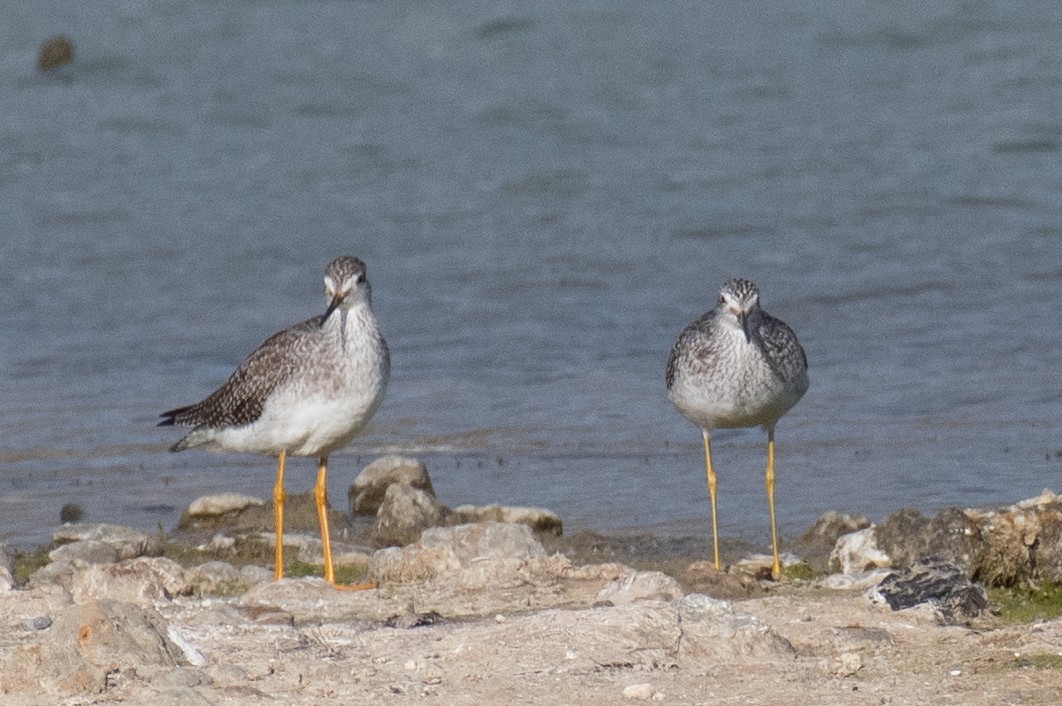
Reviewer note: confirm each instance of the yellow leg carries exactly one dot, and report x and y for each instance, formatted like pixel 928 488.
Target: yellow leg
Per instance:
pixel 776 568
pixel 278 517
pixel 712 485
pixel 320 495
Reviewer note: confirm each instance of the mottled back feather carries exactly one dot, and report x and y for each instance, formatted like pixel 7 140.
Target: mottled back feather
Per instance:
pixel 782 352
pixel 243 396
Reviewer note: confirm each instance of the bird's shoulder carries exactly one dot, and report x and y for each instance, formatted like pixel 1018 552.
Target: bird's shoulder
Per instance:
pixel 779 342
pixel 695 342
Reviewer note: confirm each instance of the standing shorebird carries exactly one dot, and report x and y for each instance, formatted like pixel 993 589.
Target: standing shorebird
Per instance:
pixel 737 366
pixel 307 391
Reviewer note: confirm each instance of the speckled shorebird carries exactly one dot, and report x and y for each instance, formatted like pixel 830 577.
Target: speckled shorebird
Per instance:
pixel 307 391
pixel 737 366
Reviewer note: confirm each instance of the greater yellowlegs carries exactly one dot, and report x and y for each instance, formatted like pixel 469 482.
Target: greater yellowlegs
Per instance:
pixel 307 391
pixel 737 366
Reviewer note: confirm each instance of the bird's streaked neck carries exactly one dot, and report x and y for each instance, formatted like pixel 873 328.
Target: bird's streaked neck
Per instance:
pixel 349 320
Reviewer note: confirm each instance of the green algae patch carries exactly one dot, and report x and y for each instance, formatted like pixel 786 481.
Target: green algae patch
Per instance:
pixel 799 572
pixel 1039 662
pixel 1026 604
pixel 345 574
pixel 26 563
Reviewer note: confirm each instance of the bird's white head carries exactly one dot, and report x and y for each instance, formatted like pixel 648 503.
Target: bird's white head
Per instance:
pixel 738 299
pixel 346 284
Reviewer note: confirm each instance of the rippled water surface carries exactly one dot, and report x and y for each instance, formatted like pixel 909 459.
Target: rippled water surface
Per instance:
pixel 545 194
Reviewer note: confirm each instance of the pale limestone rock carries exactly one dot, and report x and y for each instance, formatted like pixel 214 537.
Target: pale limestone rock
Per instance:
pixel 128 542
pixel 83 553
pixel 215 577
pixel 640 586
pixel 856 581
pixel 538 519
pixel 712 629
pixel 857 552
pixel 366 493
pixel 484 540
pixel 639 692
pixel 221 504
pixel 141 581
pixel 6 560
pixel 85 646
pixel 469 547
pixel 405 512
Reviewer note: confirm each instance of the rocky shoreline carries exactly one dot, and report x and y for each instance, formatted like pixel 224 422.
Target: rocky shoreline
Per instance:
pixel 491 605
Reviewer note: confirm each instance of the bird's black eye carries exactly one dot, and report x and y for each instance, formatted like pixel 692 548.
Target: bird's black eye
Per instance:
pixel 359 278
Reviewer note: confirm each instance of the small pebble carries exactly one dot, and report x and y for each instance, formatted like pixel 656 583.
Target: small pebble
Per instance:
pixel 639 692
pixel 850 663
pixel 41 622
pixel 955 672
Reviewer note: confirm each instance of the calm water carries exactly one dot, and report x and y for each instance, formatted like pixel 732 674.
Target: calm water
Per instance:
pixel 545 193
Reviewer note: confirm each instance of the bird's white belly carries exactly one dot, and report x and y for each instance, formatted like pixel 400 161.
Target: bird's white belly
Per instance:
pixel 303 426
pixel 751 397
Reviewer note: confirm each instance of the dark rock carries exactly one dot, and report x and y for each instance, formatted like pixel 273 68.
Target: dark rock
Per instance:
pixel 938 583
pixel 410 620
pixel 999 547
pixel 953 535
pixel 367 492
pixel 71 512
pixel 55 52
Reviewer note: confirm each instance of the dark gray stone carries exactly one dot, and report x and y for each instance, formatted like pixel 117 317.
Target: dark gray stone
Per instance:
pixel 938 583
pixel 908 537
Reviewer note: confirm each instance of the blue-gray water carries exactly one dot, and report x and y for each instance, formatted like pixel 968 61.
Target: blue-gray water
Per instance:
pixel 545 194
